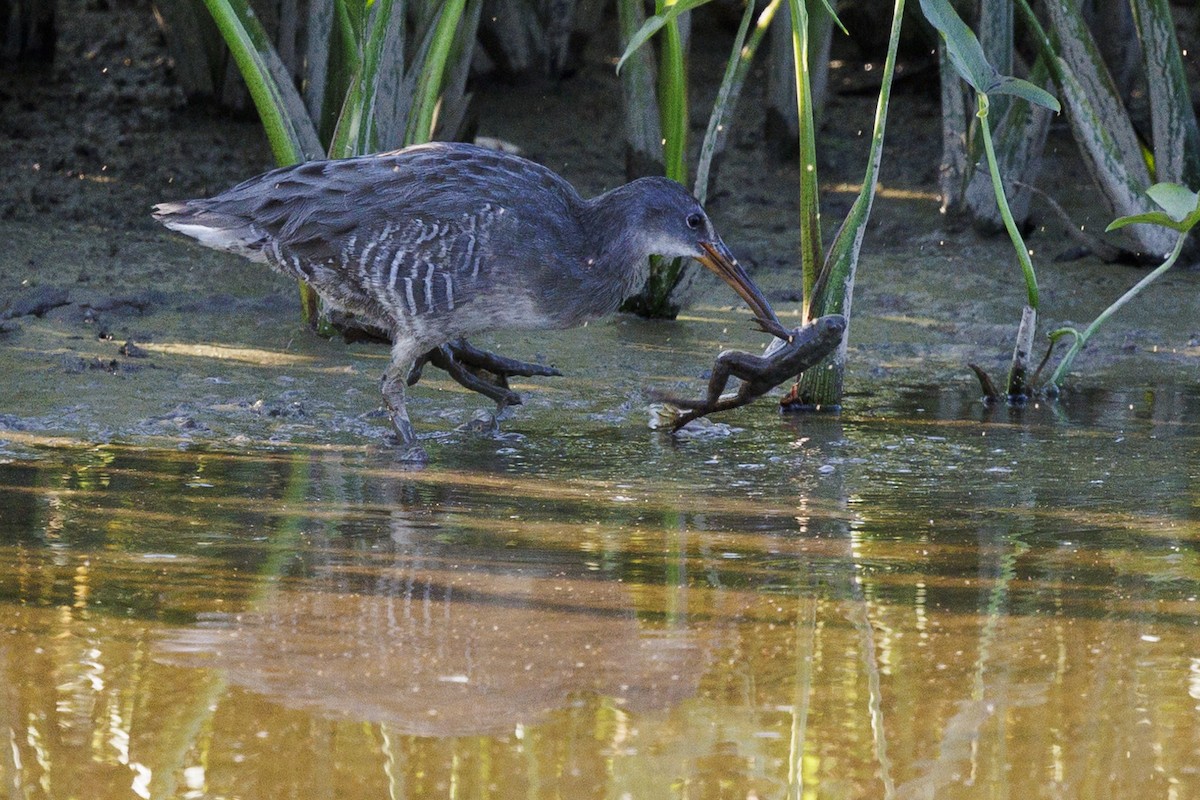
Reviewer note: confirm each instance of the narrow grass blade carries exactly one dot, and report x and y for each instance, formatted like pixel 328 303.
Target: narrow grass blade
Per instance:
pixel 433 71
pixel 452 116
pixel 672 98
pixel 740 59
pixel 811 251
pixel 285 120
pixel 653 25
pixel 834 290
pixel 356 133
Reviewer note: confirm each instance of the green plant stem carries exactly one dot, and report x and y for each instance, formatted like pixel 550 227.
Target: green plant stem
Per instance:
pixel 822 385
pixel 348 36
pixel 248 43
pixel 811 251
pixel 422 118
pixel 1081 339
pixel 355 134
pixel 672 96
pixel 1010 224
pixel 731 86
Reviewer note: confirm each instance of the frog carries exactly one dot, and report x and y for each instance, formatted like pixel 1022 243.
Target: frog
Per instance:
pixel 790 353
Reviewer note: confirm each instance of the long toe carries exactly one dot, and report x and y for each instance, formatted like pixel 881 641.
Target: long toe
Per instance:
pixel 466 353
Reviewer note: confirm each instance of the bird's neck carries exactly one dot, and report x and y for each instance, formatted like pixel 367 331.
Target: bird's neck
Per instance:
pixel 613 223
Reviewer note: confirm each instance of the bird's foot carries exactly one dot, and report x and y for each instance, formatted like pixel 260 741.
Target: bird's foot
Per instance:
pixel 404 438
pixel 466 353
pixel 479 370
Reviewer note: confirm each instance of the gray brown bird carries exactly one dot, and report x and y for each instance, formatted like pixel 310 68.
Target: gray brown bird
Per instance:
pixel 436 242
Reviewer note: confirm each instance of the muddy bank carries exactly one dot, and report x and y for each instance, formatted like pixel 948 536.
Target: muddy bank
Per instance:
pixel 112 328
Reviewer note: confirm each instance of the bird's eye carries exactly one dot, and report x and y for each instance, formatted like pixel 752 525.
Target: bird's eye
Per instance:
pixel 695 221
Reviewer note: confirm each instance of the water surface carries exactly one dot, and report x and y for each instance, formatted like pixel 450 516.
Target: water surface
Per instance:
pixel 920 598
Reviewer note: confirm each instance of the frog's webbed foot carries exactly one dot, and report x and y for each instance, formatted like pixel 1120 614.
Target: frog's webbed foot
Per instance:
pixel 696 410
pixel 479 370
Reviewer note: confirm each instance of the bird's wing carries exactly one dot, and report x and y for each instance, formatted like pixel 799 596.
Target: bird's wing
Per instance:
pixel 416 229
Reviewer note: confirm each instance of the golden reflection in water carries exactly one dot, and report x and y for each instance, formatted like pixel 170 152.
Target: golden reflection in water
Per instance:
pixel 309 624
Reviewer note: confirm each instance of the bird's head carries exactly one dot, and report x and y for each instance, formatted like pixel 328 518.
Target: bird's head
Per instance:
pixel 673 224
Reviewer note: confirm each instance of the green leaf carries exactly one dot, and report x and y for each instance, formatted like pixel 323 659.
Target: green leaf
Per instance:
pixel 654 24
pixel 433 72
pixel 1176 200
pixel 966 54
pixel 291 134
pixel 1149 218
pixel 970 62
pixel 1026 91
pixel 1181 209
pixel 832 13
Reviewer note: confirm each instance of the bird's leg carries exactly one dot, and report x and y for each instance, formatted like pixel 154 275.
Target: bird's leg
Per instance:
pixel 394 380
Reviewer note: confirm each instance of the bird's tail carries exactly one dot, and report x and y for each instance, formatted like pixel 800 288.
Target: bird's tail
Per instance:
pixel 228 232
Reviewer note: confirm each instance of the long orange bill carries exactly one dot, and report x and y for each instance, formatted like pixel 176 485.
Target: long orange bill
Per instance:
pixel 718 258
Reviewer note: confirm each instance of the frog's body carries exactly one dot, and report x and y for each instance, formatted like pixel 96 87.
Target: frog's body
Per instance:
pixel 784 359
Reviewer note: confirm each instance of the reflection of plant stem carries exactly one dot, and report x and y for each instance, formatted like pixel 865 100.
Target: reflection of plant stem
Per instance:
pixel 204 704
pixel 805 630
pixel 1081 339
pixel 862 623
pixel 996 607
pixel 397 787
pixel 186 736
pixel 676 569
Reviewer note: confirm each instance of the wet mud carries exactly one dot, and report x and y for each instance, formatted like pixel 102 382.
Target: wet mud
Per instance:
pixel 112 328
